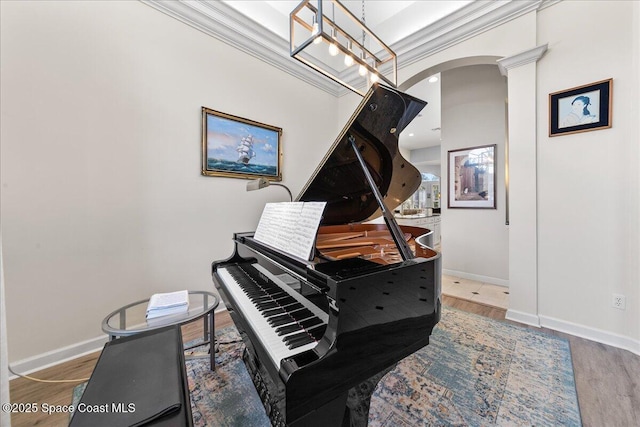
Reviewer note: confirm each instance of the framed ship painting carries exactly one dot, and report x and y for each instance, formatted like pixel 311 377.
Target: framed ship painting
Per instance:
pixel 235 147
pixel 472 177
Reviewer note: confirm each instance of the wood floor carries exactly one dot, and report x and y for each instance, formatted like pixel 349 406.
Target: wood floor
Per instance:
pixel 607 378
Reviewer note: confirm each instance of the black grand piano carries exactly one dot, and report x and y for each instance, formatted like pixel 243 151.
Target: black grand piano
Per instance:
pixel 315 330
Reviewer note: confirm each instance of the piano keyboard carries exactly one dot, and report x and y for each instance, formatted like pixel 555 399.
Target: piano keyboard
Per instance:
pixel 285 322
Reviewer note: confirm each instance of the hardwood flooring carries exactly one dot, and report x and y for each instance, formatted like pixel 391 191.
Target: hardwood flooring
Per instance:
pixel 607 378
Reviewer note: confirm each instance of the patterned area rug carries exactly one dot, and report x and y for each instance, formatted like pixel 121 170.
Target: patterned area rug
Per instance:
pixel 227 396
pixel 475 372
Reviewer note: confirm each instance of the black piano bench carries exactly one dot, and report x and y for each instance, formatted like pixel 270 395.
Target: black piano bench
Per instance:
pixel 140 379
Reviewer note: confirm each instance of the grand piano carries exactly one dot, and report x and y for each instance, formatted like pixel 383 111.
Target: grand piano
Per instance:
pixel 320 332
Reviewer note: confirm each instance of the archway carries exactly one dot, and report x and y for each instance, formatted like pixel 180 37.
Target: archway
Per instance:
pixel 523 208
pixel 477 240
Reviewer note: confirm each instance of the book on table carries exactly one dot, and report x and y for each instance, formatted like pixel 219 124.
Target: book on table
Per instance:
pixel 168 303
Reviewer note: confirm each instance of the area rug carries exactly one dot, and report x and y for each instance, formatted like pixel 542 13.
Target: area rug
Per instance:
pixel 480 372
pixel 475 372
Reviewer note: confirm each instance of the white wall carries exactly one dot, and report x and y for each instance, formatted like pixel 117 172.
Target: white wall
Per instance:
pixel 588 193
pixel 473 114
pixel 102 202
pixel 588 188
pixel 424 158
pixel 5 416
pixel 102 198
pixel 427 154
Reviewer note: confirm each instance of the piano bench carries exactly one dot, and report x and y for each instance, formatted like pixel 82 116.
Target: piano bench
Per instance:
pixel 140 379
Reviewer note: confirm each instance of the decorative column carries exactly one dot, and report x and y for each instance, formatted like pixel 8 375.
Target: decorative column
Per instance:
pixel 522 184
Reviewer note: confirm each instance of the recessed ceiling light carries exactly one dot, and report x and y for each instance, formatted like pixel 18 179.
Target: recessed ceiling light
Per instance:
pixel 433 79
pixel 410 134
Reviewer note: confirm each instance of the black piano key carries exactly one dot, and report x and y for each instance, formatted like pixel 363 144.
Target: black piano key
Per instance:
pixel 301 314
pixel 311 322
pixel 302 335
pixel 301 339
pixel 286 299
pixel 267 305
pixel 297 344
pixel 258 295
pixel 279 317
pixel 292 307
pixel 257 301
pixel 255 293
pixel 317 332
pixel 280 320
pixel 284 330
pixel 273 312
pixel 253 273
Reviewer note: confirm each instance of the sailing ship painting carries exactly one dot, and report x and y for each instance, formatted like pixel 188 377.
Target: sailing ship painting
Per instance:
pixel 245 150
pixel 239 148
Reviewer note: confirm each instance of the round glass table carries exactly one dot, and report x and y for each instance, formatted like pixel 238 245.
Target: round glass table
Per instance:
pixel 131 319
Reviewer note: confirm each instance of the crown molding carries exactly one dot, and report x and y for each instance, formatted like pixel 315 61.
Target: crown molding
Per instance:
pixel 224 23
pixel 522 58
pixel 463 24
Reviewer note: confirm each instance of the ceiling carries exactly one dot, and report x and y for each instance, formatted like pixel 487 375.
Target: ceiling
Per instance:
pixel 391 21
pixel 413 29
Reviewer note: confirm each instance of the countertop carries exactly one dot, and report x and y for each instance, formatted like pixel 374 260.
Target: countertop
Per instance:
pixel 415 216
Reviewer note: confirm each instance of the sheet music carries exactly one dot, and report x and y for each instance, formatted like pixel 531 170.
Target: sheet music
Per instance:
pixel 290 227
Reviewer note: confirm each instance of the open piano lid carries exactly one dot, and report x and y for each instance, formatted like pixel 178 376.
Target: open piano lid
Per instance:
pixel 339 180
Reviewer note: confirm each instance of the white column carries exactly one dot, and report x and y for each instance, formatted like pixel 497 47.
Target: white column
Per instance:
pixel 523 240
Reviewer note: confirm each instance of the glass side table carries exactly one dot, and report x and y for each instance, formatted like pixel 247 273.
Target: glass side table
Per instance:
pixel 131 319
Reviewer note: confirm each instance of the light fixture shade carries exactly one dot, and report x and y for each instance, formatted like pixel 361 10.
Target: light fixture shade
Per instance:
pixel 350 36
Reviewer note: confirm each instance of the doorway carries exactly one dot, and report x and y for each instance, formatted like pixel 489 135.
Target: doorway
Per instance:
pixel 474 242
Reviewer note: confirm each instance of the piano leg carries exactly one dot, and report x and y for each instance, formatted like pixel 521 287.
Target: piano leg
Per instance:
pixel 359 400
pixel 332 414
pixel 349 409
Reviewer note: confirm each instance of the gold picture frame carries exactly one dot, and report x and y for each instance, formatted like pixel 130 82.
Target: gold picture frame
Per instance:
pixel 236 147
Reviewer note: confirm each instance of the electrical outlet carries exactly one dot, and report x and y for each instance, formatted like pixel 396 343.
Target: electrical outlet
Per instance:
pixel 619 301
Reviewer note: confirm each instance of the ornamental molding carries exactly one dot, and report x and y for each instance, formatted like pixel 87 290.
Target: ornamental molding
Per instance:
pixel 522 58
pixel 221 21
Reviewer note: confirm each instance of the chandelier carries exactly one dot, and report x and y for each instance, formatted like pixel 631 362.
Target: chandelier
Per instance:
pixel 327 37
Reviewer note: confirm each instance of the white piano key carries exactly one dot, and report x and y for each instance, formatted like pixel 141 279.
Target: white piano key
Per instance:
pixel 273 343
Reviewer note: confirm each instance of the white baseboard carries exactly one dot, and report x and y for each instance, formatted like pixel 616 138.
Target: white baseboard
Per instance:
pixel 64 354
pixel 477 277
pixel 586 332
pixel 593 334
pixel 522 317
pixel 57 356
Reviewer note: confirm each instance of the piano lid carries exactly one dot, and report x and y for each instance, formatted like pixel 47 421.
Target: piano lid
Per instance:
pixel 339 180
